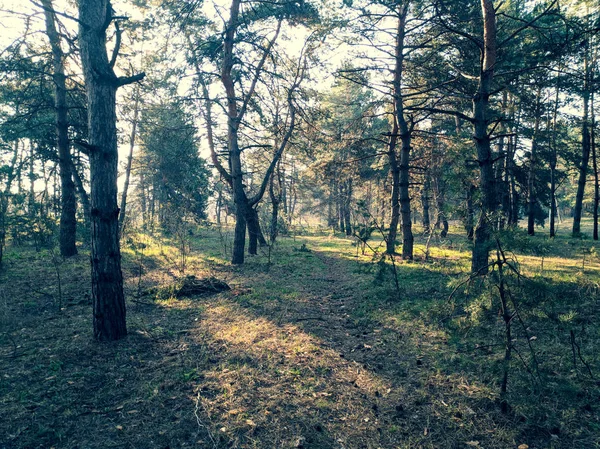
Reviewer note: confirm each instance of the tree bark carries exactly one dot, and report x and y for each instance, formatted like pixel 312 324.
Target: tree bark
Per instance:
pixel 275 200
pixel 553 162
pixel 235 115
pixel 400 169
pixel 95 16
pixel 68 220
pixel 425 204
pixel 347 204
pixel 531 196
pixel 596 175
pixel 481 248
pixel 585 152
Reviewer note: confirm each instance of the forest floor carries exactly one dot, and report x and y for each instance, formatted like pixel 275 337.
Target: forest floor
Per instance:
pixel 315 346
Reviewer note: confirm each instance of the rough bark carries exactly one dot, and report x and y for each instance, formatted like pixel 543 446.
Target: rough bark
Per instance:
pixel 101 83
pixel 235 114
pixel 596 175
pixel 553 162
pixel 531 194
pixel 400 169
pixel 276 201
pixel 585 153
pixel 425 204
pixel 68 220
pixel 255 235
pixel 481 248
pixel 347 203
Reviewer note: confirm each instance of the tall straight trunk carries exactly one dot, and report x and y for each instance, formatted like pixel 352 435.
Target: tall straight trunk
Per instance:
pixel 585 151
pixel 425 204
pixel 553 162
pixel 276 200
pixel 395 194
pixel 219 205
pixel 595 166
pixel 383 203
pixel 503 150
pixel 255 235
pixel 400 169
pixel 330 204
pixel 31 198
pixel 347 203
pixel 235 163
pixel 293 201
pixel 68 220
pixel 480 258
pixel 531 194
pixel 101 83
pixel 132 136
pixel 441 220
pixel 340 207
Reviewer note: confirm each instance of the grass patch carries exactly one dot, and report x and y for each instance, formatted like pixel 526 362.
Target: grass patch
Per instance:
pixel 311 347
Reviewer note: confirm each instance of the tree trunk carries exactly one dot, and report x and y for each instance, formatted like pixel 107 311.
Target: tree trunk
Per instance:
pixel 400 169
pixel 134 124
pixel 330 206
pixel 425 204
pixel 276 200
pixel 340 207
pixel 31 197
pixel 101 87
pixel 274 217
pixel 218 205
pixel 234 118
pixel 68 220
pixel 553 162
pixel 595 166
pixel 480 258
pixel 585 153
pixel 531 196
pixel 347 203
pixel 239 237
pixel 255 235
pixel 441 220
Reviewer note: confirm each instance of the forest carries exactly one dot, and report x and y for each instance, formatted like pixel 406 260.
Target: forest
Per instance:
pixel 311 224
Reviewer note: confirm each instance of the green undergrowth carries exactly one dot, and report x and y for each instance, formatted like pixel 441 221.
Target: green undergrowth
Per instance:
pixel 317 344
